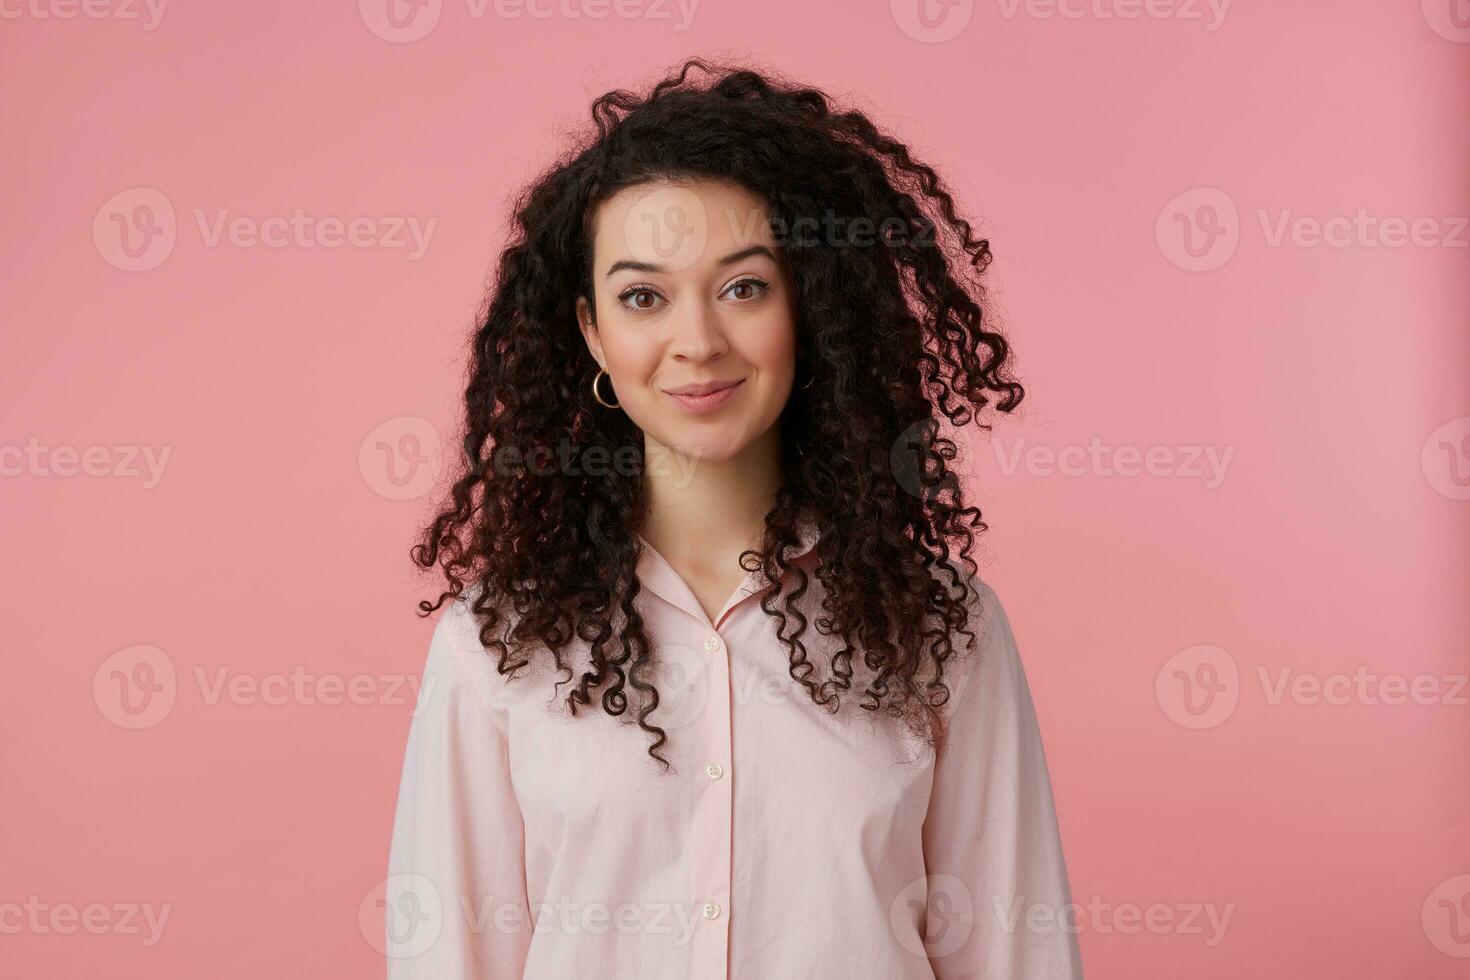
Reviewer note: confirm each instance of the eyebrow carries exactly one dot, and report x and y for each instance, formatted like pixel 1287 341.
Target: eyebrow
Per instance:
pixel 730 259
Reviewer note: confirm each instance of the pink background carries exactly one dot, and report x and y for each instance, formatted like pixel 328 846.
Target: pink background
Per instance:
pixel 1333 835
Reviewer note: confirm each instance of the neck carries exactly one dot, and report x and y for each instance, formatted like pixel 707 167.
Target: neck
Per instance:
pixel 697 507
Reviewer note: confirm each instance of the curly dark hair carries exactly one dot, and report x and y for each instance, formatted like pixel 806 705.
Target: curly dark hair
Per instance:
pixel 891 332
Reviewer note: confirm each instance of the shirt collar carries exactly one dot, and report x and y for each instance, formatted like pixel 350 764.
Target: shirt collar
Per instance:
pixel 659 577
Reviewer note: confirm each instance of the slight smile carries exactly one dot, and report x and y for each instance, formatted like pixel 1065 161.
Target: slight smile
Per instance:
pixel 705 397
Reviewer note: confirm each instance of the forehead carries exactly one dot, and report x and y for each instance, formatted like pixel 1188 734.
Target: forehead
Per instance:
pixel 679 225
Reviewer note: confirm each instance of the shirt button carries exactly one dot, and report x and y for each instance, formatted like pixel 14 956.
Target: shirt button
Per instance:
pixel 711 910
pixel 712 643
pixel 714 770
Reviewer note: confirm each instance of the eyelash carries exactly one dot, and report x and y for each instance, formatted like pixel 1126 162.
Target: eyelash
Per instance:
pixel 639 288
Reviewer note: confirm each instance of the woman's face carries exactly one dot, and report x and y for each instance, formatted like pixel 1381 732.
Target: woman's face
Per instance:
pixel 692 290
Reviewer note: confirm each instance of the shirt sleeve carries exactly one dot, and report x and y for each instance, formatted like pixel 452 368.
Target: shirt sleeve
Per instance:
pixel 999 905
pixel 455 899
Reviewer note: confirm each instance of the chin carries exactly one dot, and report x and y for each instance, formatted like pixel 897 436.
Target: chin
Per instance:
pixel 707 447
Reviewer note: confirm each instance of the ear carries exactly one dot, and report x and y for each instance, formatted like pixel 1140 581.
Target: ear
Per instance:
pixel 588 326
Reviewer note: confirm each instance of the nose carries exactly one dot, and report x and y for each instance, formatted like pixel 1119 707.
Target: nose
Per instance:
pixel 698 334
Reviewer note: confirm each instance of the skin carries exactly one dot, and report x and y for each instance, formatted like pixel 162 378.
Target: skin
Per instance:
pixel 683 315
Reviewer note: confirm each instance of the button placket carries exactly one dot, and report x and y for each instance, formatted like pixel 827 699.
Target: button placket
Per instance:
pixel 711 858
pixel 714 816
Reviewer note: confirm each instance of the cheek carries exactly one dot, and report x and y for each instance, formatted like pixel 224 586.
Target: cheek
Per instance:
pixel 629 354
pixel 773 353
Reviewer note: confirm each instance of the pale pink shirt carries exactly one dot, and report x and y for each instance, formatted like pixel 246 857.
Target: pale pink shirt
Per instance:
pixel 788 844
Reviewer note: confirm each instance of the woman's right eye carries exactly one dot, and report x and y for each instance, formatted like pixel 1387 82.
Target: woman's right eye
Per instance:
pixel 638 298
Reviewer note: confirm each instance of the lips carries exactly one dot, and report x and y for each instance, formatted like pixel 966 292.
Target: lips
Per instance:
pixel 704 388
pixel 705 397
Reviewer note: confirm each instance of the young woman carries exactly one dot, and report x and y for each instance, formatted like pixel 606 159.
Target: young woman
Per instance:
pixel 713 694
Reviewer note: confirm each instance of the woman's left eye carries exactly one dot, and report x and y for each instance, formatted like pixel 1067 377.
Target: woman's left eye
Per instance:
pixel 757 286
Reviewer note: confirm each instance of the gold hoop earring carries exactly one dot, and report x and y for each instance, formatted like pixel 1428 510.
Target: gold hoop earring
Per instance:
pixel 598 395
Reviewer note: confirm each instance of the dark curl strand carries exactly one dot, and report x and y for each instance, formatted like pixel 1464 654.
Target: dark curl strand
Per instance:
pixel 891 336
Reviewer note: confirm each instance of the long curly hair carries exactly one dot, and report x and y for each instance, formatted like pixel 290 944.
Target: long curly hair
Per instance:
pixel 892 337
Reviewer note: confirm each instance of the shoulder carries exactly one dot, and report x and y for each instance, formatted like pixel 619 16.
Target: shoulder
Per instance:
pixel 461 622
pixel 993 662
pixel 984 611
pixel 457 630
pixel 462 644
pixel 457 656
